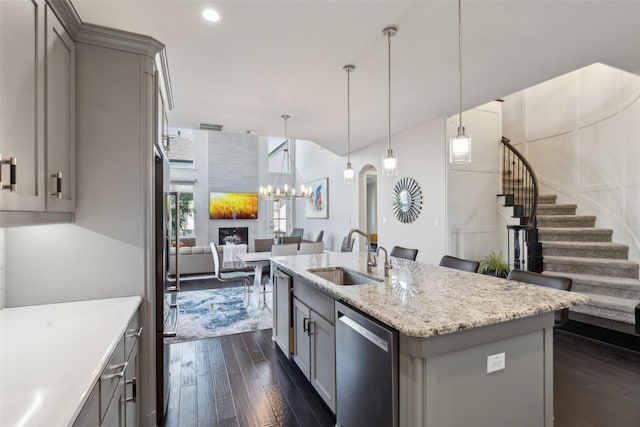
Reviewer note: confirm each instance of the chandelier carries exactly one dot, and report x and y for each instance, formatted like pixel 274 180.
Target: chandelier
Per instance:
pixel 278 190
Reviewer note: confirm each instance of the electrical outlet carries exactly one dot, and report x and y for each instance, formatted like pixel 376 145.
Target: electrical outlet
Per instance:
pixel 495 362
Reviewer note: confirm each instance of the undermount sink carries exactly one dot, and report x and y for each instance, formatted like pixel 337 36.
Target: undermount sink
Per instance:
pixel 344 276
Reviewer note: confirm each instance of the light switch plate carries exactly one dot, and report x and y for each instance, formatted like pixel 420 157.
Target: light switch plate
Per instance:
pixel 495 362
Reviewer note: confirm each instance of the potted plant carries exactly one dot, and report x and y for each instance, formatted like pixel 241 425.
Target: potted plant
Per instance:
pixel 494 265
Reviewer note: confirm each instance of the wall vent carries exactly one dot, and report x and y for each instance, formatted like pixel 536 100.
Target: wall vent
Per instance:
pixel 209 126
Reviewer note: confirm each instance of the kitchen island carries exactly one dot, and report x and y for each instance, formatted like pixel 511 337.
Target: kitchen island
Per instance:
pixel 473 349
pixel 52 357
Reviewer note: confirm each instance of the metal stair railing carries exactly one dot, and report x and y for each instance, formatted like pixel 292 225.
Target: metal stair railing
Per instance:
pixel 521 190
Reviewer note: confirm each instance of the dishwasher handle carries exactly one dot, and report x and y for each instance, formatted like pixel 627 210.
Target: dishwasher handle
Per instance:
pixel 382 343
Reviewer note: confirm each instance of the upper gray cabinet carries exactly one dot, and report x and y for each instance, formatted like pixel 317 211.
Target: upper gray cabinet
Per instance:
pixel 37 113
pixel 60 60
pixel 21 105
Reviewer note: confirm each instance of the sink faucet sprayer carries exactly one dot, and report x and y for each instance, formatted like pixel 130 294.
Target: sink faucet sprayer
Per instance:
pixel 371 258
pixel 387 264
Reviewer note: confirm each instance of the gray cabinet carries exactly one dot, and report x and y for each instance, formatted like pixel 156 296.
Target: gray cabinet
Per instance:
pixel 113 401
pixel 60 60
pixel 21 106
pixel 37 113
pixel 282 302
pixel 314 339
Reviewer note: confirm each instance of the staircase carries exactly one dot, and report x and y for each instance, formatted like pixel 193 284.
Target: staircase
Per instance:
pixel 561 243
pixel 600 269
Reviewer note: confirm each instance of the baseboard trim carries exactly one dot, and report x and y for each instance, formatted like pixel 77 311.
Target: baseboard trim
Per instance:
pixel 611 332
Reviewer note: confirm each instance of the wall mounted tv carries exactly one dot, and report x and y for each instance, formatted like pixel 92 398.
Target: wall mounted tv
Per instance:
pixel 233 205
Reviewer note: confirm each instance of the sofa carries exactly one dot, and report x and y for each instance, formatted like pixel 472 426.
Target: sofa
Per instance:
pixel 193 259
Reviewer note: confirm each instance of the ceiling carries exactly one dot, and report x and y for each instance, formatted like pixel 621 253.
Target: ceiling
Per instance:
pixel 268 58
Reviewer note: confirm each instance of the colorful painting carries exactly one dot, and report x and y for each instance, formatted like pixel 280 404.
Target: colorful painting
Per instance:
pixel 318 206
pixel 233 205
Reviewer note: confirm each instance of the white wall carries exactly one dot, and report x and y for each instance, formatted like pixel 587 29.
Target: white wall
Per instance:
pixel 421 154
pixel 2 263
pixel 474 225
pixel 581 133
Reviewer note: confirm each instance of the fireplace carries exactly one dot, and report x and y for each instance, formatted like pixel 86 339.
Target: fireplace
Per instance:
pixel 233 235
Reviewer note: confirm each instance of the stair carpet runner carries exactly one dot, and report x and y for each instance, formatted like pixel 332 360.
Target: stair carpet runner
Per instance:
pixel 600 269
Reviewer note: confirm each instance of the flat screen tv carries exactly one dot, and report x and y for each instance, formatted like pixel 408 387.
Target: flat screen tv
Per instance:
pixel 233 205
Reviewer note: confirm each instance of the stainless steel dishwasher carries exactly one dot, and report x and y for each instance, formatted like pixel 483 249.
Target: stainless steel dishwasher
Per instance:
pixel 366 370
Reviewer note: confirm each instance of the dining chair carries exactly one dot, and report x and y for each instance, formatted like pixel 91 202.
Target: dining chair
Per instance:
pixel 320 236
pixel 459 264
pixel 344 248
pixel 297 232
pixel 284 249
pixel 262 245
pixel 555 282
pixel 292 239
pixel 311 248
pixel 400 252
pixel 230 275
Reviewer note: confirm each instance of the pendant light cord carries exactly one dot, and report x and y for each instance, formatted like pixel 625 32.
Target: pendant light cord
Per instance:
pixel 348 115
pixel 459 66
pixel 389 86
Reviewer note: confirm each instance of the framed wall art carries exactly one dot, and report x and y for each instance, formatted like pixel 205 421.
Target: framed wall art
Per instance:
pixel 318 205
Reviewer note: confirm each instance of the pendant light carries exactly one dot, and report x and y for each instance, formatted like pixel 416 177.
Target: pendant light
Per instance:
pixel 389 161
pixel 278 191
pixel 460 145
pixel 349 173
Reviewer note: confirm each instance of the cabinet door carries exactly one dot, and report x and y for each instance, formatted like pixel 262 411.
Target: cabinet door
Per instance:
pixel 21 103
pixel 301 345
pixel 282 311
pixel 131 389
pixel 60 57
pixel 90 414
pixel 323 360
pixel 115 415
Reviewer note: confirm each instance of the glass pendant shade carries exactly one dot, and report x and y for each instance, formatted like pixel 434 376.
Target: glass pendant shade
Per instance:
pixel 460 148
pixel 389 161
pixel 389 164
pixel 349 174
pixel 460 145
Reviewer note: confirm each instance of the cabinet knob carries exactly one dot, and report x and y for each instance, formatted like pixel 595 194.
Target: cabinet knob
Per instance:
pixel 58 177
pixel 13 172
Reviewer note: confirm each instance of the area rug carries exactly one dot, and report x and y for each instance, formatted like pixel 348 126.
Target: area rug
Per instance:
pixel 215 312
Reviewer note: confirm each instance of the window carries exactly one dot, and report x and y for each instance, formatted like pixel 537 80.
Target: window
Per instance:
pixel 278 161
pixel 279 217
pixel 187 211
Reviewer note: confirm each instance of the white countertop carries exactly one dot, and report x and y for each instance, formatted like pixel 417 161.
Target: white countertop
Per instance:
pixel 423 300
pixel 51 356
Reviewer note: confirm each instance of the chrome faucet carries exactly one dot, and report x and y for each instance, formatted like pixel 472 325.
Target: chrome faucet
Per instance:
pixel 387 264
pixel 371 258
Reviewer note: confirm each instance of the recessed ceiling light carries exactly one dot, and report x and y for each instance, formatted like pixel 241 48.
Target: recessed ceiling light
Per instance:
pixel 211 15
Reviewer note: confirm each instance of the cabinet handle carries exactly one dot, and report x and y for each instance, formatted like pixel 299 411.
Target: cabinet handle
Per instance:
pixel 309 324
pixel 122 367
pixel 58 177
pixel 13 171
pixel 134 392
pixel 305 328
pixel 133 333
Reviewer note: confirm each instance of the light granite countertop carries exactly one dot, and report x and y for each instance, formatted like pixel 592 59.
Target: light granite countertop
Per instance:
pixel 423 300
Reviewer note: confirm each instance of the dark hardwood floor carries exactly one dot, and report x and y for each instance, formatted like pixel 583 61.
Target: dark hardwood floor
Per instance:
pixel 241 380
